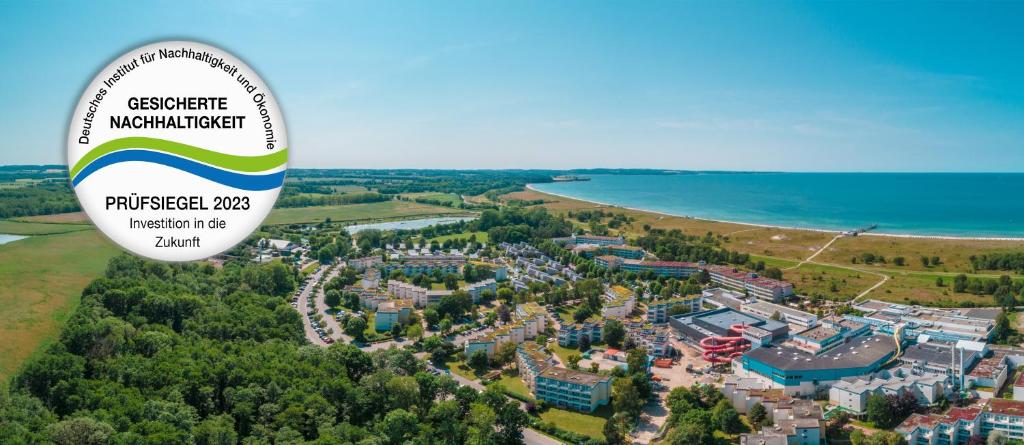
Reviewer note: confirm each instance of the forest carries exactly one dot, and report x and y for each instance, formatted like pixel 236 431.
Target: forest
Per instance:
pixel 194 354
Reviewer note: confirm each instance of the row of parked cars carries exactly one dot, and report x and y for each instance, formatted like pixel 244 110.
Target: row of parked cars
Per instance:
pixel 318 325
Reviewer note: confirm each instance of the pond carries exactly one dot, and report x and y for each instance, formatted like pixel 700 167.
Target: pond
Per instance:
pixel 409 224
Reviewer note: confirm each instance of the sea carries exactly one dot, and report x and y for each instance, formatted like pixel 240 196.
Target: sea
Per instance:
pixel 972 205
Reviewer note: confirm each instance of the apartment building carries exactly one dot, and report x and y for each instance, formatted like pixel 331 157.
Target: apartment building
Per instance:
pixel 420 296
pixel 619 302
pixel 392 312
pixel 959 424
pixel 577 390
pixel 362 264
pixel 755 285
pixel 476 289
pixel 658 310
pixel 621 251
pixel 530 321
pixel 570 333
pixel 598 240
pixel 531 360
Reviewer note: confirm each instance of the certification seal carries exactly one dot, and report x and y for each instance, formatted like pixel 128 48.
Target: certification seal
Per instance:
pixel 177 151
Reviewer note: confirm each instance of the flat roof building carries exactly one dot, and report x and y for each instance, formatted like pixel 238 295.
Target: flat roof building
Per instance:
pixel 803 373
pixel 577 390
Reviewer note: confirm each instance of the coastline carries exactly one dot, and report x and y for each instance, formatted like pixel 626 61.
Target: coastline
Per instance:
pixel 770 226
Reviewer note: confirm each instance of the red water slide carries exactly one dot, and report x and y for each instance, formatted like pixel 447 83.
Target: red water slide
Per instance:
pixel 725 349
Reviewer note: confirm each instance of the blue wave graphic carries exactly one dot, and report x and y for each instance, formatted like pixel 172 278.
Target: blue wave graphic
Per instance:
pixel 231 179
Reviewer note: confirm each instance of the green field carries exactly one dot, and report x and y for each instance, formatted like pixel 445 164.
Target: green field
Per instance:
pixel 43 277
pixel 348 188
pixel 441 197
pixel 481 237
pixel 13 227
pixel 375 211
pixel 591 424
pixel 512 383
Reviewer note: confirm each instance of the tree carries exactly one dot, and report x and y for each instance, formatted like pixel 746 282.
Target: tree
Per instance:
pixel 594 367
pixel 506 295
pixel 396 330
pixel 217 430
pixel 414 331
pixel 996 438
pixel 451 282
pixel 478 360
pixel 431 316
pixel 614 333
pixel 636 361
pixel 399 426
pixel 332 298
pixel 725 417
pixel 584 343
pixel 757 415
pixel 615 431
pixel 574 361
pixel 505 353
pixel 356 328
pixel 857 436
pixel 445 326
pixel 504 314
pixel 626 399
pixel 80 431
pixel 880 412
pixel 690 434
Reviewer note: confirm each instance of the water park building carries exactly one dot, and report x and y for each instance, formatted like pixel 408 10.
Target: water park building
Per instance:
pixel 798 372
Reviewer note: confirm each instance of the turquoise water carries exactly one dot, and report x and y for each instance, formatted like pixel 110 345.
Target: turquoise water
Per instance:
pixel 939 204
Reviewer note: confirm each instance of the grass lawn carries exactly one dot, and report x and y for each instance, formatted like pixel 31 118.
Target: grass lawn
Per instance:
pixel 373 211
pixel 43 278
pixel 836 283
pixel 480 237
pixel 591 424
pixel 15 227
pixel 562 352
pixel 511 381
pixel 440 286
pixel 461 369
pixel 310 268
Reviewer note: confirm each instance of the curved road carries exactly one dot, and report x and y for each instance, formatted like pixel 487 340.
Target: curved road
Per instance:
pixel 530 436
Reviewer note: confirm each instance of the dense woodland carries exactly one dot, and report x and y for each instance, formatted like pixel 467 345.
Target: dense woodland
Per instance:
pixel 42 198
pixel 187 353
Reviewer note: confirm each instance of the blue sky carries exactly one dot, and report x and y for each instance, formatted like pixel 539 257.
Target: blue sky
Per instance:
pixel 676 85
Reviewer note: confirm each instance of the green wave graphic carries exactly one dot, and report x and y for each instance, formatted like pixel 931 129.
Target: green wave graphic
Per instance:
pixel 249 164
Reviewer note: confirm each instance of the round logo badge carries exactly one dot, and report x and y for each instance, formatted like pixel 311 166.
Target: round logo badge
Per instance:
pixel 177 151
